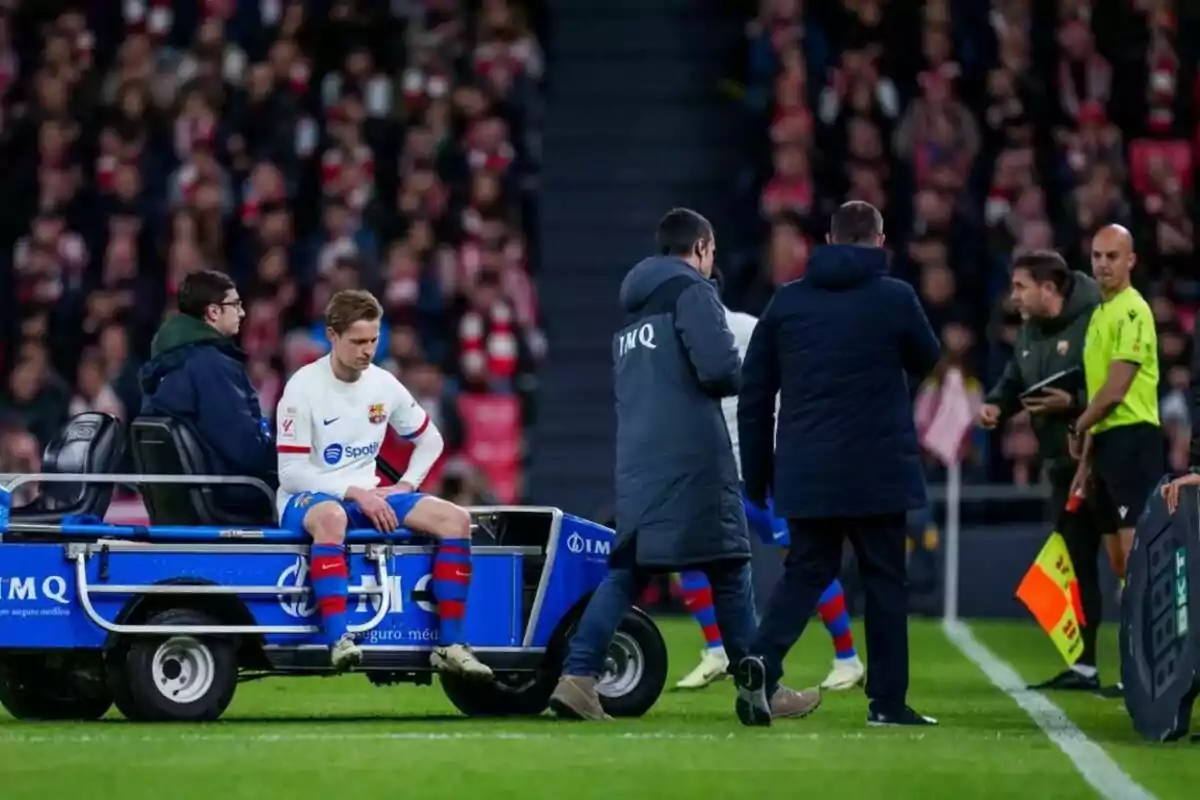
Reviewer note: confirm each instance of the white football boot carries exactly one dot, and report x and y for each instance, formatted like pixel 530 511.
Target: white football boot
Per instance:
pixel 345 654
pixel 846 674
pixel 459 660
pixel 713 667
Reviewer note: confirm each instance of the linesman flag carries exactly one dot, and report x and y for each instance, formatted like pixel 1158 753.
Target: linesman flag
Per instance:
pixel 1050 591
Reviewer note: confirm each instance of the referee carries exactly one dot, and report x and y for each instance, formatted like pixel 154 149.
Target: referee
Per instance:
pixel 1056 304
pixel 1118 436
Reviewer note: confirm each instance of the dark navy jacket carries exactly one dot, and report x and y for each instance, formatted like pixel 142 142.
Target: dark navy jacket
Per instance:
pixel 676 481
pixel 199 376
pixel 836 344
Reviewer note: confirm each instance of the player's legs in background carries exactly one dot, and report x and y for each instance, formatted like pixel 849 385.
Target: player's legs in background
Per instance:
pixel 326 522
pixel 451 526
pixel 847 669
pixel 698 599
pixel 714 662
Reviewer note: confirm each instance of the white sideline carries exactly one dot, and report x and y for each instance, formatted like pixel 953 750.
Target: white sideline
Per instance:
pixel 1090 760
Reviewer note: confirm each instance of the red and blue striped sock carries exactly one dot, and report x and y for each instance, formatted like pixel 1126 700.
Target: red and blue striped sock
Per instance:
pixel 698 599
pixel 451 580
pixel 832 608
pixel 330 584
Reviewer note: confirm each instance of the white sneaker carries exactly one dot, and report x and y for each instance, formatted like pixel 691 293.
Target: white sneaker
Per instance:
pixel 846 674
pixel 712 667
pixel 459 660
pixel 345 654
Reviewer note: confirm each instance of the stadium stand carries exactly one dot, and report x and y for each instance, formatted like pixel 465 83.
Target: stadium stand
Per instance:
pixel 301 146
pixel 400 150
pixel 1012 125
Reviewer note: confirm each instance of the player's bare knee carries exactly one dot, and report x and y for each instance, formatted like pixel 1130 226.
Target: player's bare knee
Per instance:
pixel 453 522
pixel 326 523
pixel 457 522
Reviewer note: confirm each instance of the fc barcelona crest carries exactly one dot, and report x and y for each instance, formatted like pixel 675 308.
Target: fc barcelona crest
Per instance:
pixel 375 413
pixel 1063 347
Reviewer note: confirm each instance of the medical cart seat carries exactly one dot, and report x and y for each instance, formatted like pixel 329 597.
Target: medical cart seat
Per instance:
pixel 165 446
pixel 92 443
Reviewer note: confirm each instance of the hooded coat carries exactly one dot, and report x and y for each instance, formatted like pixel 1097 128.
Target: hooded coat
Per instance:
pixel 678 496
pixel 198 376
pixel 836 345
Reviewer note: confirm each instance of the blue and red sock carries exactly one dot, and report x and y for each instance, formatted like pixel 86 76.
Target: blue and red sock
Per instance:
pixel 832 608
pixel 698 599
pixel 451 580
pixel 330 584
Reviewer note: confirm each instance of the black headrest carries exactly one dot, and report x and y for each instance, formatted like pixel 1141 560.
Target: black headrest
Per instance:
pixel 92 443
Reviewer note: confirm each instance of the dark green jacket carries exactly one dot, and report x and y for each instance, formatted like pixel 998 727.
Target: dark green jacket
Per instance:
pixel 1044 347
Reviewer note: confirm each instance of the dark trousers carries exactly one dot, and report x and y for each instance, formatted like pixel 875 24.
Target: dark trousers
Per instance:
pixel 1081 532
pixel 813 561
pixel 733 600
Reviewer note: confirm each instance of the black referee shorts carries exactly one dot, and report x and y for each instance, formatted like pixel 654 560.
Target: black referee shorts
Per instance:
pixel 1127 464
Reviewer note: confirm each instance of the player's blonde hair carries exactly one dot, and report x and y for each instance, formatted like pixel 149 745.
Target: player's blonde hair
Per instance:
pixel 350 306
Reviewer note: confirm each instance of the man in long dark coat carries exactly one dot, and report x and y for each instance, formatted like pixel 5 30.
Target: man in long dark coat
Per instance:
pixel 678 496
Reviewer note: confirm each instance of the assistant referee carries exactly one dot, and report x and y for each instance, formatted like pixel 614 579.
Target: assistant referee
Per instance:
pixel 1118 436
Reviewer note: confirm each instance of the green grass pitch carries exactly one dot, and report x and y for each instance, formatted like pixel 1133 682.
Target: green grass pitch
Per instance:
pixel 342 738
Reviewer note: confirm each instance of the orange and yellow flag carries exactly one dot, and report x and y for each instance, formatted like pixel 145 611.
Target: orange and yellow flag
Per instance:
pixel 1050 591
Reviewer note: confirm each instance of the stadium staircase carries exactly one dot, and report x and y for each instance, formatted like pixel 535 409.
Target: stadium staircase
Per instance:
pixel 636 123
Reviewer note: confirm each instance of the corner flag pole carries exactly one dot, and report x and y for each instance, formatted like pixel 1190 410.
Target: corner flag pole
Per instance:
pixel 943 424
pixel 953 504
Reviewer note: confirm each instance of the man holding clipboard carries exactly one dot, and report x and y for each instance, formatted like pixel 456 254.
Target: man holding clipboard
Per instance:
pixel 1046 378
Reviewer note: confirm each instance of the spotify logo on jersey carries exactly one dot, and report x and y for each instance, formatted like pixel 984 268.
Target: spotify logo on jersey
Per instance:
pixel 336 452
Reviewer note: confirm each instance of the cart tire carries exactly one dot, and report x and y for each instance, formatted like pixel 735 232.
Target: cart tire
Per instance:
pixel 635 667
pixel 175 678
pixel 31 692
pixel 512 694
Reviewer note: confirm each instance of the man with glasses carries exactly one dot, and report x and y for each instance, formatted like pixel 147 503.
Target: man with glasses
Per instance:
pixel 197 375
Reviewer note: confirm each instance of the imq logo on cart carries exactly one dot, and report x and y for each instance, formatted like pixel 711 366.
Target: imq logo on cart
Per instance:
pixel 580 544
pixel 52 588
pixel 304 606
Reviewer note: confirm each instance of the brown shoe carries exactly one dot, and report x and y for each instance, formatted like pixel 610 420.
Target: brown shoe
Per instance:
pixel 789 703
pixel 575 697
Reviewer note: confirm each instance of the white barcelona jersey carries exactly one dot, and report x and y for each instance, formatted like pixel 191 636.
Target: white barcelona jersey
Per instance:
pixel 742 326
pixel 329 432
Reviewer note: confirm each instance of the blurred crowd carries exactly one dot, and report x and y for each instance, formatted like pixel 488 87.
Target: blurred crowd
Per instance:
pixel 980 128
pixel 303 147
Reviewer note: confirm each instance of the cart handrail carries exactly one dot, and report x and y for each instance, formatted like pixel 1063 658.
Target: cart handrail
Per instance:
pixel 84 590
pixel 20 479
pixel 198 533
pixel 13 481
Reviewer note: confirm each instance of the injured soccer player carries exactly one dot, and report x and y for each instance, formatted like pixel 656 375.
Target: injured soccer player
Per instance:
pixel 331 422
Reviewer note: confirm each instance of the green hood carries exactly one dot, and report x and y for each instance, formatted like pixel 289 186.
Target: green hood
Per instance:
pixel 1082 299
pixel 1044 347
pixel 180 331
pixel 177 341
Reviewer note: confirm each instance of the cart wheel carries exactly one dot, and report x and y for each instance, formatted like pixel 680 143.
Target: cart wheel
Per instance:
pixel 635 667
pixel 180 678
pixel 28 690
pixel 511 694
